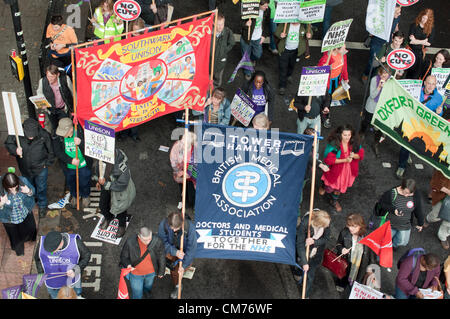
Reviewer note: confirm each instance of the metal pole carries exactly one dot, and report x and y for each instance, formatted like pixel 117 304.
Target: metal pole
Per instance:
pixel 15 13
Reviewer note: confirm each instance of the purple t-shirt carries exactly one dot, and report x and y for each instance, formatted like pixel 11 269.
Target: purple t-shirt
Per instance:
pixel 260 100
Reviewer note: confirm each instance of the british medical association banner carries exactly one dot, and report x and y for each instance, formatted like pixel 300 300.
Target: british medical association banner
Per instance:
pixel 132 81
pixel 248 192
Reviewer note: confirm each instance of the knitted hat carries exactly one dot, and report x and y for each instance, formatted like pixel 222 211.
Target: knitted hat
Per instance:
pixel 30 128
pixel 52 241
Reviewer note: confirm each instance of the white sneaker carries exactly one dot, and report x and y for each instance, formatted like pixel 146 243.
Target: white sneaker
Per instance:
pixel 400 172
pixel 61 203
pixel 180 205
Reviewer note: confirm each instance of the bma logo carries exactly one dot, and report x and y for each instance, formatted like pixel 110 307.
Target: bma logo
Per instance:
pixel 246 184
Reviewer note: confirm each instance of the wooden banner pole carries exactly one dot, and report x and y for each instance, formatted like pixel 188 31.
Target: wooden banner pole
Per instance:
pixel 248 36
pixel 76 122
pixel 284 29
pixel 211 78
pixel 13 115
pixel 183 210
pixel 311 204
pixel 147 28
pixel 307 53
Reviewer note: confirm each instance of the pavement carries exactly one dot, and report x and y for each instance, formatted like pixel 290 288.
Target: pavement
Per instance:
pixel 158 194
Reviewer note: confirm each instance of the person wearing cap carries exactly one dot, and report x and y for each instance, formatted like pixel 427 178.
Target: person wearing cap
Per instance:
pixel 16 205
pixel 34 155
pixel 57 88
pixel 65 144
pixel 62 257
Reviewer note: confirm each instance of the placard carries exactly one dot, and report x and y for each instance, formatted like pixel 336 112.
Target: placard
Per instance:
pixel 249 9
pixel 40 102
pixel 360 291
pixel 109 235
pixel 441 75
pixel 413 87
pixel 379 18
pixel 8 112
pixel 314 80
pixel 407 3
pixel 99 142
pixel 312 11
pixel 127 10
pixel 287 11
pixel 336 35
pixel 401 59
pixel 242 107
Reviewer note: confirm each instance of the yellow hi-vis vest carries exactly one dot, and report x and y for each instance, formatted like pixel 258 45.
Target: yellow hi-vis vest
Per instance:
pixel 107 30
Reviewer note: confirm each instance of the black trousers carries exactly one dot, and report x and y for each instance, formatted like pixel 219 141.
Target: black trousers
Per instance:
pixel 286 64
pixel 20 233
pixel 190 193
pixel 367 119
pixel 54 116
pixel 105 208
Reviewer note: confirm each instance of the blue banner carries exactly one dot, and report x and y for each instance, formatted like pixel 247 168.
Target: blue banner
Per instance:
pixel 248 192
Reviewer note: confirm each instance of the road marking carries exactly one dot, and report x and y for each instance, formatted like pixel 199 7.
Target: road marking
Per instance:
pixel 386 165
pixel 418 166
pixel 95 268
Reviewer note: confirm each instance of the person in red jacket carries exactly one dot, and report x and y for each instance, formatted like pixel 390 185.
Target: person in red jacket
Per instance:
pixel 339 72
pixel 342 155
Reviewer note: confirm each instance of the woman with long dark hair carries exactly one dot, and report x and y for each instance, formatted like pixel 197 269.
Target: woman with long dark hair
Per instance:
pixel 16 205
pixel 421 34
pixel 342 155
pixel 440 60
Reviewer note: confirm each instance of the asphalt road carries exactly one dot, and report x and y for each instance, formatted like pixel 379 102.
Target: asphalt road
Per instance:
pixel 158 194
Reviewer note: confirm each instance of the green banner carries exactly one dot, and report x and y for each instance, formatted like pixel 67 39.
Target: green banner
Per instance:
pixel 412 125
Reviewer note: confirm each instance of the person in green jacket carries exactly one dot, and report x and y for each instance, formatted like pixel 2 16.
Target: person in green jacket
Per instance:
pixel 291 44
pixel 105 22
pixel 224 43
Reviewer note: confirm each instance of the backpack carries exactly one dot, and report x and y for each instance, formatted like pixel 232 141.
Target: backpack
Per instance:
pixel 416 252
pixel 378 217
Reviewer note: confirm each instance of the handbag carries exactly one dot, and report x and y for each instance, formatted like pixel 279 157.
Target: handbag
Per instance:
pixel 337 266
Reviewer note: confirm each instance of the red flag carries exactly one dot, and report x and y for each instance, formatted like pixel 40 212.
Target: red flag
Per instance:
pixel 123 289
pixel 380 241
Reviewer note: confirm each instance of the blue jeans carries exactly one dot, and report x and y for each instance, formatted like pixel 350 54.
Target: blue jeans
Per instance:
pixel 307 122
pixel 273 28
pixel 400 237
pixel 84 177
pixel 255 51
pixel 399 294
pixel 139 284
pixel 40 183
pixel 403 157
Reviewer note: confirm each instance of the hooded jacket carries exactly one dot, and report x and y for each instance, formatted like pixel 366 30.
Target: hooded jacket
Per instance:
pixel 37 153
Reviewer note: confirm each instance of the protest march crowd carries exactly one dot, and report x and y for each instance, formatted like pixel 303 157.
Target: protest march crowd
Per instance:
pixel 53 138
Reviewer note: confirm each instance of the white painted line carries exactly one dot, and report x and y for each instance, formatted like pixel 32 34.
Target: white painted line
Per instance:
pixel 418 166
pixel 93 243
pixel 386 165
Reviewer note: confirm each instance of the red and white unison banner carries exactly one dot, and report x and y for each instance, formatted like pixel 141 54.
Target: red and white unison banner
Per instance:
pixel 126 83
pixel 401 59
pixel 127 10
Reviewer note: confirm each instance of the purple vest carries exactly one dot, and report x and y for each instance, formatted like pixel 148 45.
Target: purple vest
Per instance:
pixel 61 261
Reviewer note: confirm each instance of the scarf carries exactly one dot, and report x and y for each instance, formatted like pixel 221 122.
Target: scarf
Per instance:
pixel 356 256
pixel 318 232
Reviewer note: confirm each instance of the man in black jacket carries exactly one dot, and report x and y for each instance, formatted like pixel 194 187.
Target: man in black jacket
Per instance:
pixel 34 156
pixel 144 256
pixel 56 86
pixel 309 113
pixel 154 14
pixel 224 43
